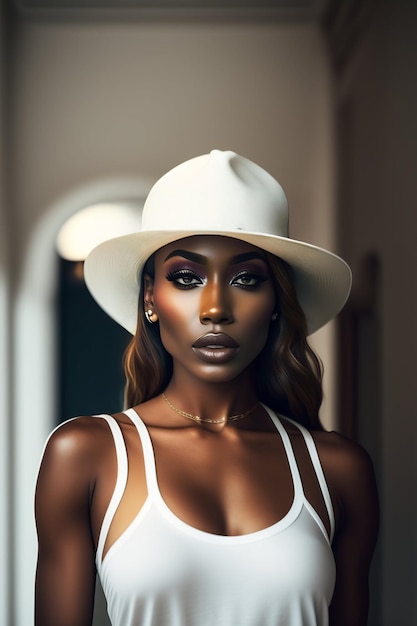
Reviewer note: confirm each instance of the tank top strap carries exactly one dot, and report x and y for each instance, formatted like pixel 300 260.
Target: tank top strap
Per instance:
pixel 315 460
pixel 148 452
pixel 292 461
pixel 121 480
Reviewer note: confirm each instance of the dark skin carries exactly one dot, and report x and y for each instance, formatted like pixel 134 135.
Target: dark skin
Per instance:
pixel 222 479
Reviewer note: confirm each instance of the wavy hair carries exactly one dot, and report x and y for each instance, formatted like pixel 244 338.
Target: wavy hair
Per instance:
pixel 288 373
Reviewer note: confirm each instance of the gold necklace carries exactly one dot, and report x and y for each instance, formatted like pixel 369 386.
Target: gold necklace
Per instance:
pixel 197 418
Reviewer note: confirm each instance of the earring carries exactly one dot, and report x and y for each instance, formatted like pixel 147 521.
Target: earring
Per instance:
pixel 274 316
pixel 151 316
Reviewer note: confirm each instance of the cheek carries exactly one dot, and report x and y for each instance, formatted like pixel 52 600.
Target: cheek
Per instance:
pixel 169 305
pixel 259 317
pixel 260 331
pixel 258 312
pixel 175 314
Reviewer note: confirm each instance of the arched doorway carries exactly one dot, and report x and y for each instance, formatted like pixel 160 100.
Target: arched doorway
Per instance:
pixel 35 374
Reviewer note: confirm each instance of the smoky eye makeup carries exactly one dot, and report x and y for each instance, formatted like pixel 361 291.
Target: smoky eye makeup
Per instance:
pixel 187 270
pixel 248 279
pixel 250 275
pixel 184 277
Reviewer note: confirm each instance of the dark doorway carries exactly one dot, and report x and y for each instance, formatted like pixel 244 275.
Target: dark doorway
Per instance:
pixel 90 350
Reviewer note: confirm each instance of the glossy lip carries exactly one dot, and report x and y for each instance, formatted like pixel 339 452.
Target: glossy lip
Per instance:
pixel 215 348
pixel 215 341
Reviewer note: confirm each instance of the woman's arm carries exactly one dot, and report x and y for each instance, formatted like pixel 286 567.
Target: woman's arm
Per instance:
pixel 65 578
pixel 352 483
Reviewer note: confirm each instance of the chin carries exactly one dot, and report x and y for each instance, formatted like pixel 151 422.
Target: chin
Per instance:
pixel 220 374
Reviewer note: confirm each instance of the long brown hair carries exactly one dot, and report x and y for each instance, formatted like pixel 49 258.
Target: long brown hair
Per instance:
pixel 288 372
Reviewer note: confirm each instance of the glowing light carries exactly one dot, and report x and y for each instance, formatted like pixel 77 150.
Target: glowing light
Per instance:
pixel 96 223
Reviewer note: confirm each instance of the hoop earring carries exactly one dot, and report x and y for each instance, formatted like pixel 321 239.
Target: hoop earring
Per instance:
pixel 151 316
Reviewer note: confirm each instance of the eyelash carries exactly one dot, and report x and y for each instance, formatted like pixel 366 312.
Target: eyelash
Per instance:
pixel 177 275
pixel 258 278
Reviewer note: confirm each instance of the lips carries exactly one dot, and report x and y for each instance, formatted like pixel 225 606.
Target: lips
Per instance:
pixel 215 341
pixel 215 348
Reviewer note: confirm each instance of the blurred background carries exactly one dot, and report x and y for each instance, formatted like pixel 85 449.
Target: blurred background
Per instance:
pixel 101 97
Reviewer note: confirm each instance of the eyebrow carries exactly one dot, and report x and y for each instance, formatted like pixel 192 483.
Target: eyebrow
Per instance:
pixel 202 260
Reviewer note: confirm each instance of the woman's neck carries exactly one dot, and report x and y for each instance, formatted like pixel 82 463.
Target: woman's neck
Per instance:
pixel 211 400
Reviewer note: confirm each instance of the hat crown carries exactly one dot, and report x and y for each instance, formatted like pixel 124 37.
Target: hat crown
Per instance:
pixel 216 192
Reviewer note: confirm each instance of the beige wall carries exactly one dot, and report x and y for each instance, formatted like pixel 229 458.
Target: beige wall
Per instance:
pixel 94 103
pixel 379 93
pixel 95 100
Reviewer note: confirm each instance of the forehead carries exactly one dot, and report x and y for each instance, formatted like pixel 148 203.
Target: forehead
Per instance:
pixel 209 246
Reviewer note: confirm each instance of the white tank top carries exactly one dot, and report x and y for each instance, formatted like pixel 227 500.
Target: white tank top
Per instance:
pixel 164 572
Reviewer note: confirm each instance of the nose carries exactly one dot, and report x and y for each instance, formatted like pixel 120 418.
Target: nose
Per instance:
pixel 216 305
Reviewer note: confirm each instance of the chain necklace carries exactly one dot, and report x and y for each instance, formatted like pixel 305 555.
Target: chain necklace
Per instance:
pixel 197 418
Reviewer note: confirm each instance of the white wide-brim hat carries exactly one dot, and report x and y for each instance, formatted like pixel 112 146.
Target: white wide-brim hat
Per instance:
pixel 220 193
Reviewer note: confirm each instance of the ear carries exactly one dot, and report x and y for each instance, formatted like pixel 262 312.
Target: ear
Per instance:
pixel 148 283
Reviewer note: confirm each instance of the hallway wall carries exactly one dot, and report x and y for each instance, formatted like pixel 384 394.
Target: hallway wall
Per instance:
pixel 378 92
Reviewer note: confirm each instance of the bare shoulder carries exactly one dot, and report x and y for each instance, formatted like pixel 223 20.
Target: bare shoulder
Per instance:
pixel 78 436
pixel 76 445
pixel 341 456
pixel 349 472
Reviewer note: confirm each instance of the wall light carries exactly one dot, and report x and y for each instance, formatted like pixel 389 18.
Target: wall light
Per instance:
pixel 90 226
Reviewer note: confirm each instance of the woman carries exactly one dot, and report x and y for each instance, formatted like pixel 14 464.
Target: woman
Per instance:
pixel 216 498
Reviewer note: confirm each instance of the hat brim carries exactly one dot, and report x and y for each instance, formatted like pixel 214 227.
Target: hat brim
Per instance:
pixel 113 272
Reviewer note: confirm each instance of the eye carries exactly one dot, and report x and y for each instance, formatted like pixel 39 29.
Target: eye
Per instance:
pixel 248 280
pixel 184 279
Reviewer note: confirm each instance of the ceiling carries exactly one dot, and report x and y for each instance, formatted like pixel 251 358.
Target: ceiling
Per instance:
pixel 289 10
pixel 343 22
